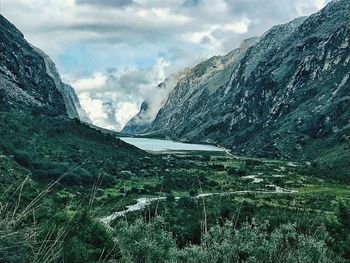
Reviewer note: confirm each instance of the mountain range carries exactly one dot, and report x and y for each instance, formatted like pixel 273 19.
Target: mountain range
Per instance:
pixel 283 94
pixel 74 192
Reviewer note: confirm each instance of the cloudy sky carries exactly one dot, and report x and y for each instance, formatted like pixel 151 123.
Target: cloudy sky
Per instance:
pixel 114 52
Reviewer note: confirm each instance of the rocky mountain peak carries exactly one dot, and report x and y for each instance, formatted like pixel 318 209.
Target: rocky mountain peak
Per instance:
pixel 10 28
pixel 29 79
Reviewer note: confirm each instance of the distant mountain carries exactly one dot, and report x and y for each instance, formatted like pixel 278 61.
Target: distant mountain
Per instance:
pixel 30 80
pixel 285 94
pixel 150 107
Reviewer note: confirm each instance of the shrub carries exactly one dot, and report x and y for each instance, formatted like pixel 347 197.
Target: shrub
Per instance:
pixel 147 243
pixel 255 244
pixel 170 198
pixel 231 171
pixel 242 172
pixel 87 241
pixel 193 192
pixel 23 158
pixel 186 202
pixel 253 162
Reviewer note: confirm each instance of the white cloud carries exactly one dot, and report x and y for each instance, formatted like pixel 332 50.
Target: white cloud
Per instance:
pixel 239 27
pixel 209 40
pixel 94 109
pixel 85 37
pixel 95 82
pixel 320 3
pixel 55 24
pixel 125 111
pixel 112 98
pixel 303 7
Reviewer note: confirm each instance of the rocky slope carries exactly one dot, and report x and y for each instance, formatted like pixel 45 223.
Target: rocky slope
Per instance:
pixel 210 74
pixel 30 80
pixel 70 98
pixel 285 94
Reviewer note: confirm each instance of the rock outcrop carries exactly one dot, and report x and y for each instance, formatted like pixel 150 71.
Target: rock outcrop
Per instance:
pixel 70 98
pixel 29 79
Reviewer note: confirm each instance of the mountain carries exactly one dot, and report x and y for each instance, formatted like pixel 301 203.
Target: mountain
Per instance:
pixel 285 94
pixel 29 79
pixel 210 74
pixel 41 134
pixel 70 98
pixel 151 105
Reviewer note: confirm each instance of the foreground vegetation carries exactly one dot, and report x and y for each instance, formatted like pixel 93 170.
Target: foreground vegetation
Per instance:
pixel 38 235
pixel 57 184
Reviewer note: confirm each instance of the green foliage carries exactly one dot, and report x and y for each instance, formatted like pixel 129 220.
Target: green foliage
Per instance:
pixel 175 180
pixel 105 175
pixel 241 171
pixel 141 242
pixel 87 241
pixel 23 158
pixel 147 243
pixel 340 230
pixel 13 249
pixel 50 146
pixel 256 244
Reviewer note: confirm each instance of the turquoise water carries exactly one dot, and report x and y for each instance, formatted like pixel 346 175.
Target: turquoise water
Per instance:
pixel 165 145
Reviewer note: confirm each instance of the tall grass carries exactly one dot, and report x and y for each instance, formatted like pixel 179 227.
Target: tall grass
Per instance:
pixel 22 238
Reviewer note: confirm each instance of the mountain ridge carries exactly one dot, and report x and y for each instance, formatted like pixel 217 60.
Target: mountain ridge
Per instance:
pixel 29 78
pixel 287 96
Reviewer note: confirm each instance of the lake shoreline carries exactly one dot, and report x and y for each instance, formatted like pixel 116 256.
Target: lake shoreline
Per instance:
pixel 160 145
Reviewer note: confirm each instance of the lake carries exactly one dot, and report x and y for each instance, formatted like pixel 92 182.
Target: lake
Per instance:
pixel 166 145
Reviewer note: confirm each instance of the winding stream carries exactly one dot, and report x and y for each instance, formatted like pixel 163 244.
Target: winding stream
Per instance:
pixel 140 204
pixel 143 202
pixel 157 145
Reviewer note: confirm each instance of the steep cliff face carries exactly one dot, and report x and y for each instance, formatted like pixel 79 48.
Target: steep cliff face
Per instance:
pixel 71 100
pixel 284 95
pixel 187 85
pixel 29 79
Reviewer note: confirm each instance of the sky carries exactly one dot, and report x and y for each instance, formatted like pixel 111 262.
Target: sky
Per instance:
pixel 115 52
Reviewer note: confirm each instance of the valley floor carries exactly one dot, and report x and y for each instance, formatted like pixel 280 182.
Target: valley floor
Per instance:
pixel 199 190
pixel 174 209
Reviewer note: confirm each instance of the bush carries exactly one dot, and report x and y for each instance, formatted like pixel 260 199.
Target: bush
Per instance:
pixel 87 241
pixel 142 242
pixel 193 192
pixel 23 158
pixel 147 243
pixel 170 198
pixel 242 172
pixel 255 244
pixel 231 171
pixel 253 162
pixel 186 202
